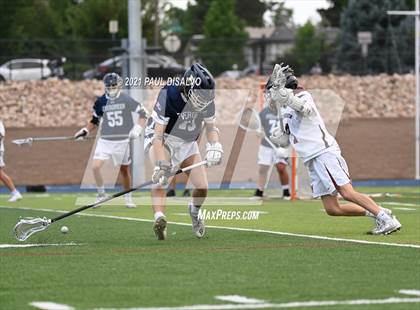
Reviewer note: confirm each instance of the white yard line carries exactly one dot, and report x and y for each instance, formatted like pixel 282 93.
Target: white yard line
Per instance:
pixel 403 245
pixel 410 292
pixel 34 245
pixel 392 203
pixel 295 304
pixel 405 209
pixel 239 299
pixel 48 305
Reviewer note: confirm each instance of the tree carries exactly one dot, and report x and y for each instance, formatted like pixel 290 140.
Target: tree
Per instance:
pixel 310 48
pixel 251 12
pixel 331 16
pixel 280 15
pixel 392 38
pixel 224 37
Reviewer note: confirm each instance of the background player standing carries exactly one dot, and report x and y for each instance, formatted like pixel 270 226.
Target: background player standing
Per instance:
pixel 114 112
pixel 304 128
pixel 267 156
pixel 171 141
pixel 15 195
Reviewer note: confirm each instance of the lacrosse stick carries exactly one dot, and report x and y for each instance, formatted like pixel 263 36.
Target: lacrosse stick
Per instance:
pixel 249 120
pixel 30 140
pixel 28 226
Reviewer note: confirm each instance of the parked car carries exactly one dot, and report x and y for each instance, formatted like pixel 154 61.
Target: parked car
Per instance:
pixel 233 74
pixel 157 66
pixel 255 70
pixel 25 69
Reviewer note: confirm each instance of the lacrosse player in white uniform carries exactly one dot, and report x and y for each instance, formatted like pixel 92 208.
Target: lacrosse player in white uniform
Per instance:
pixel 15 195
pixel 113 111
pixel 267 156
pixel 171 142
pixel 304 128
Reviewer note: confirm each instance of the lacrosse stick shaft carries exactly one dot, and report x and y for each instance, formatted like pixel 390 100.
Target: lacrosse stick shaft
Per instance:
pixel 59 138
pixel 119 194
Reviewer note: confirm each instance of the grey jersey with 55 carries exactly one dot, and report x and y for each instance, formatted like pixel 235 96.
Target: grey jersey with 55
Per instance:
pixel 117 115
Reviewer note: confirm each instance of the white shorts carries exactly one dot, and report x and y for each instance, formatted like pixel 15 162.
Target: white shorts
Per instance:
pixel 2 164
pixel 179 149
pixel 119 151
pixel 327 171
pixel 267 156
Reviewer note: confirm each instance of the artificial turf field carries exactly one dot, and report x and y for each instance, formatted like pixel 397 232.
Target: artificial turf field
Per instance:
pixel 117 263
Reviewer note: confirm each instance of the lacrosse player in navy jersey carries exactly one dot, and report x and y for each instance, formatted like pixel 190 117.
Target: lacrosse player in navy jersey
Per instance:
pixel 178 118
pixel 114 111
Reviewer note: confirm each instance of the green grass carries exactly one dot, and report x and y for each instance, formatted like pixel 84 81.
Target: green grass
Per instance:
pixel 120 264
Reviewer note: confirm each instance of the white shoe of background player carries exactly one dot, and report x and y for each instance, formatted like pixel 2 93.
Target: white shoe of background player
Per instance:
pixel 100 197
pixel 15 197
pixel 198 227
pixel 129 202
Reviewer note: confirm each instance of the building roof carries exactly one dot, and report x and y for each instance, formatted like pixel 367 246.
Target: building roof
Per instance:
pixel 271 34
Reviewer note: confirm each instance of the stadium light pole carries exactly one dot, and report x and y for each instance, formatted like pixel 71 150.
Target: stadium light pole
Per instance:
pixel 135 63
pixel 415 13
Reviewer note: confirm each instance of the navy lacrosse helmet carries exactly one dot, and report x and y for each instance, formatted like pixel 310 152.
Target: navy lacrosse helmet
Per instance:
pixel 113 84
pixel 198 86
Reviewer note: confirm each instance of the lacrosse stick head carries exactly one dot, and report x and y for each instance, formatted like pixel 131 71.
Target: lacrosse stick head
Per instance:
pixel 27 226
pixel 249 120
pixel 23 142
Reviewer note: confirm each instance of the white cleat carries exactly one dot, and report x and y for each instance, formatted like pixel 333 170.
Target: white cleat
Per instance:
pixel 159 227
pixel 378 223
pixel 387 228
pixel 100 197
pixel 198 227
pixel 15 197
pixel 129 203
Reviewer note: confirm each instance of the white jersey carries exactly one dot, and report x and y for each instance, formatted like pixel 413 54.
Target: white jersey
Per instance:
pixel 2 134
pixel 308 134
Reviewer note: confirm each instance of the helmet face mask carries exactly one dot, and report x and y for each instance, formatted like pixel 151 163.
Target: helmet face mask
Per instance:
pixel 200 98
pixel 113 84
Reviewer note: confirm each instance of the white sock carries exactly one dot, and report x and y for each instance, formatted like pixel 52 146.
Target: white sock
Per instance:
pixel 285 187
pixel 127 196
pixel 194 209
pixel 15 192
pixel 159 214
pixel 101 189
pixel 369 214
pixel 383 216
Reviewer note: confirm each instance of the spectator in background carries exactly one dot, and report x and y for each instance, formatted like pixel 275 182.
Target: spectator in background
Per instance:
pixel 15 195
pixel 316 70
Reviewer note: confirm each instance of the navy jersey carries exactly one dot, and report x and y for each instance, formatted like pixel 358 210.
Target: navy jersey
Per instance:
pixel 180 119
pixel 116 115
pixel 269 121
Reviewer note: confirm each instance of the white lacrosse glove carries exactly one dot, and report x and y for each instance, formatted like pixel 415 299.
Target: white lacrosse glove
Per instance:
pixel 161 172
pixel 81 134
pixel 279 75
pixel 214 152
pixel 135 132
pixel 281 96
pixel 280 138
